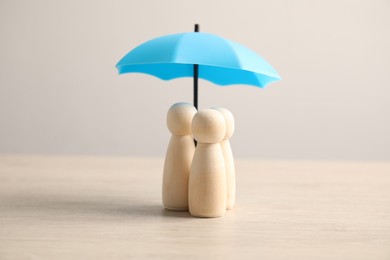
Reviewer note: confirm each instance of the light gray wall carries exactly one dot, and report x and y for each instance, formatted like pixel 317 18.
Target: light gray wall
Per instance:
pixel 60 92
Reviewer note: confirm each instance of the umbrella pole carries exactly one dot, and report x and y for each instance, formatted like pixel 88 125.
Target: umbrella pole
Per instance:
pixel 196 75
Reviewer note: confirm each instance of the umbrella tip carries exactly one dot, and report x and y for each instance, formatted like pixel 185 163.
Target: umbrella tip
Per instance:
pixel 196 27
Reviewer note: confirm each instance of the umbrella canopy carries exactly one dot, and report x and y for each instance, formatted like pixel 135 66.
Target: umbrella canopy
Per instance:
pixel 204 55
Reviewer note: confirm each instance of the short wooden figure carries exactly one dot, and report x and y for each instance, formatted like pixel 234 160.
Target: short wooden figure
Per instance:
pixel 178 157
pixel 228 156
pixel 207 184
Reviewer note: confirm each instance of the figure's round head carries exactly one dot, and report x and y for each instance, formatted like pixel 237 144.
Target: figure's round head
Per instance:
pixel 208 126
pixel 229 119
pixel 179 118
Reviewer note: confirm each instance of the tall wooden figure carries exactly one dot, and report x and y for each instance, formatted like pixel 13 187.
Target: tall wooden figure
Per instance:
pixel 178 157
pixel 207 185
pixel 228 156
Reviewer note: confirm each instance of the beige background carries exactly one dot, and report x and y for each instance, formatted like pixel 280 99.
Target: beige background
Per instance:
pixel 60 92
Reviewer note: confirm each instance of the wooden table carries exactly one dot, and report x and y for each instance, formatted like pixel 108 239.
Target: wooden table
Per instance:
pixel 110 208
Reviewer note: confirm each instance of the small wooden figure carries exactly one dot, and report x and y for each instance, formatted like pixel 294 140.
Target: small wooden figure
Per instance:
pixel 178 157
pixel 207 184
pixel 228 156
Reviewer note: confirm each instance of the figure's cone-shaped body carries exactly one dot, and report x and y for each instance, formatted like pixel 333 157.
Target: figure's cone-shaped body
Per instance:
pixel 229 159
pixel 179 156
pixel 207 184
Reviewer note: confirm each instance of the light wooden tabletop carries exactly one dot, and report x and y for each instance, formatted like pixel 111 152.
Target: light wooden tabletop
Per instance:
pixel 110 208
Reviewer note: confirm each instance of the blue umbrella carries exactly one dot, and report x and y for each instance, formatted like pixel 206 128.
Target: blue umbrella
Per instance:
pixel 199 55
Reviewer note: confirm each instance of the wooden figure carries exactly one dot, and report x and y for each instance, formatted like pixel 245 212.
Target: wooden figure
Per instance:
pixel 178 157
pixel 207 184
pixel 228 156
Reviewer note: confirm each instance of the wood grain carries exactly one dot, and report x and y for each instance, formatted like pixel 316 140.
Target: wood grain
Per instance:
pixel 110 208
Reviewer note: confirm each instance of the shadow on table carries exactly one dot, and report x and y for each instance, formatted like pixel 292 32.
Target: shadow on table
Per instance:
pixel 84 207
pixel 176 214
